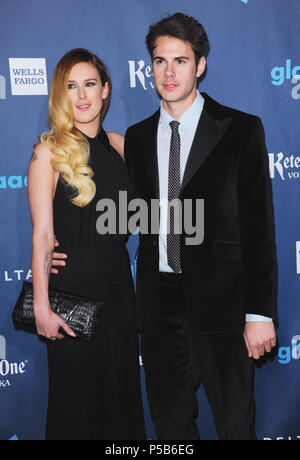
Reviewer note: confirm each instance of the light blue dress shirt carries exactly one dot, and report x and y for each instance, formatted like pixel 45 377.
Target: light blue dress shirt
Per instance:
pixel 187 129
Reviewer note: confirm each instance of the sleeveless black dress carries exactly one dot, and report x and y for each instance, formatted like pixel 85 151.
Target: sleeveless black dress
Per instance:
pixel 94 389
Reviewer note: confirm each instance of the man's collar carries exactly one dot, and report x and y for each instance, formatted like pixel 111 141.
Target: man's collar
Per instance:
pixel 189 120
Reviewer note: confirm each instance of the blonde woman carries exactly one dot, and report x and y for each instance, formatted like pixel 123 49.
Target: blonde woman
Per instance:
pixel 94 388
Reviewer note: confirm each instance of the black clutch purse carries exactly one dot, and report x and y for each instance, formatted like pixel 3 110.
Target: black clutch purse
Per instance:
pixel 82 315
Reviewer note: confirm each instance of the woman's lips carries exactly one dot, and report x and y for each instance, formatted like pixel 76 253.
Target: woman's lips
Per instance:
pixel 84 107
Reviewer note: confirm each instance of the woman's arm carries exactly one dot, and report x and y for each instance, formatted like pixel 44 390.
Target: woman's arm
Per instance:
pixel 41 185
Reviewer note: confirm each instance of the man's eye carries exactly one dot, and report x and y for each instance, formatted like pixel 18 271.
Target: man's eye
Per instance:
pixel 180 61
pixel 91 83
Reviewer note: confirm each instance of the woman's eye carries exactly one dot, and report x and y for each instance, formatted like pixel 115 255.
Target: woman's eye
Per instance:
pixel 71 86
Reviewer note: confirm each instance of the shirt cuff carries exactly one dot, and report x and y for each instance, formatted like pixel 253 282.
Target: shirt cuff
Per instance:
pixel 258 318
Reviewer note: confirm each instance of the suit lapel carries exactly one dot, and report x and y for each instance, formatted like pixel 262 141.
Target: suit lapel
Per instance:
pixel 210 130
pixel 150 161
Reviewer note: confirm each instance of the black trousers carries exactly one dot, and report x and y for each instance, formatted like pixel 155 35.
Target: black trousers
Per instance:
pixel 178 358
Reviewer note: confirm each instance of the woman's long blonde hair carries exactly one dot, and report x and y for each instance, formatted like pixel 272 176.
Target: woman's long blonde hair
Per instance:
pixel 68 145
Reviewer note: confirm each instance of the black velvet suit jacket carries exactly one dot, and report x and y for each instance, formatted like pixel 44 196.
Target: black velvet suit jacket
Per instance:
pixel 234 271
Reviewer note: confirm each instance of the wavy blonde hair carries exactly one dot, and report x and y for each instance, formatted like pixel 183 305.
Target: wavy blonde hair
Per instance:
pixel 68 145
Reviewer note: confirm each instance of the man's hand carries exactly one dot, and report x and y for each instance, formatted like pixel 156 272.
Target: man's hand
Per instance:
pixel 260 338
pixel 58 260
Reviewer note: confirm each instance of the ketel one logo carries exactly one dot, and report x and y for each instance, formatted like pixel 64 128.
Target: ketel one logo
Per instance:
pixel 284 166
pixel 2 347
pixel 140 74
pixel 8 369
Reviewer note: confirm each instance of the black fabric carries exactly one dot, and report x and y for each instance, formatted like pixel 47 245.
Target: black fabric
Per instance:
pixel 193 332
pixel 234 271
pixel 94 389
pixel 177 359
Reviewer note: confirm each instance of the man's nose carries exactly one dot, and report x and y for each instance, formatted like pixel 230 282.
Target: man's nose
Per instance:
pixel 170 70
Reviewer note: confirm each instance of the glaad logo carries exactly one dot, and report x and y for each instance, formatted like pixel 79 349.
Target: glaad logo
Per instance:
pixel 13 182
pixel 280 74
pixel 138 73
pixel 134 265
pixel 14 438
pixel 298 257
pixel 296 89
pixel 286 354
pixel 244 1
pixel 285 166
pixel 8 369
pixel 28 77
pixel 2 87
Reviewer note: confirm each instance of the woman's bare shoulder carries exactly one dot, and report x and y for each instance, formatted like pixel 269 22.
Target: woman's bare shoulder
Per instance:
pixel 41 152
pixel 117 141
pixel 40 165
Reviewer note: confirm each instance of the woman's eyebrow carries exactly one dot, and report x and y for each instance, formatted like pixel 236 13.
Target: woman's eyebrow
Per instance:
pixel 88 79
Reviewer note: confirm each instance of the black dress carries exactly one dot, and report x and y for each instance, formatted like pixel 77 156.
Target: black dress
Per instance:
pixel 94 389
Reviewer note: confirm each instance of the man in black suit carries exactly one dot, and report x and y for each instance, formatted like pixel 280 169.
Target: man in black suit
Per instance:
pixel 204 310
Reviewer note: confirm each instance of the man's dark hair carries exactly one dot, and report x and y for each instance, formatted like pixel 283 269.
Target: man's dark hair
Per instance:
pixel 183 27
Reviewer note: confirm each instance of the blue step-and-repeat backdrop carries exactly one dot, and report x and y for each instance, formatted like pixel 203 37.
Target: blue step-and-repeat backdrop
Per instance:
pixel 254 66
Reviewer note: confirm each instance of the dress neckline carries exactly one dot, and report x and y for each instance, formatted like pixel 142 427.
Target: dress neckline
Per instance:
pixel 101 137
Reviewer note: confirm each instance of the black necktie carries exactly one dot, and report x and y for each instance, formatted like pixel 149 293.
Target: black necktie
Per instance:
pixel 173 239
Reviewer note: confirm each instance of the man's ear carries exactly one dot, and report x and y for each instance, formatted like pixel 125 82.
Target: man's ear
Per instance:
pixel 201 67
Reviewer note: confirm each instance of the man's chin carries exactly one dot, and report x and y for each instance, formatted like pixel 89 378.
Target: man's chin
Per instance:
pixel 171 98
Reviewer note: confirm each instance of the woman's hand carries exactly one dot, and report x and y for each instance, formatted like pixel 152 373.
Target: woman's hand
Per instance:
pixel 49 323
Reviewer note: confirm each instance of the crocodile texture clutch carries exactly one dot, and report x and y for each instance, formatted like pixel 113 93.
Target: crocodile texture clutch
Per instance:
pixel 82 315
